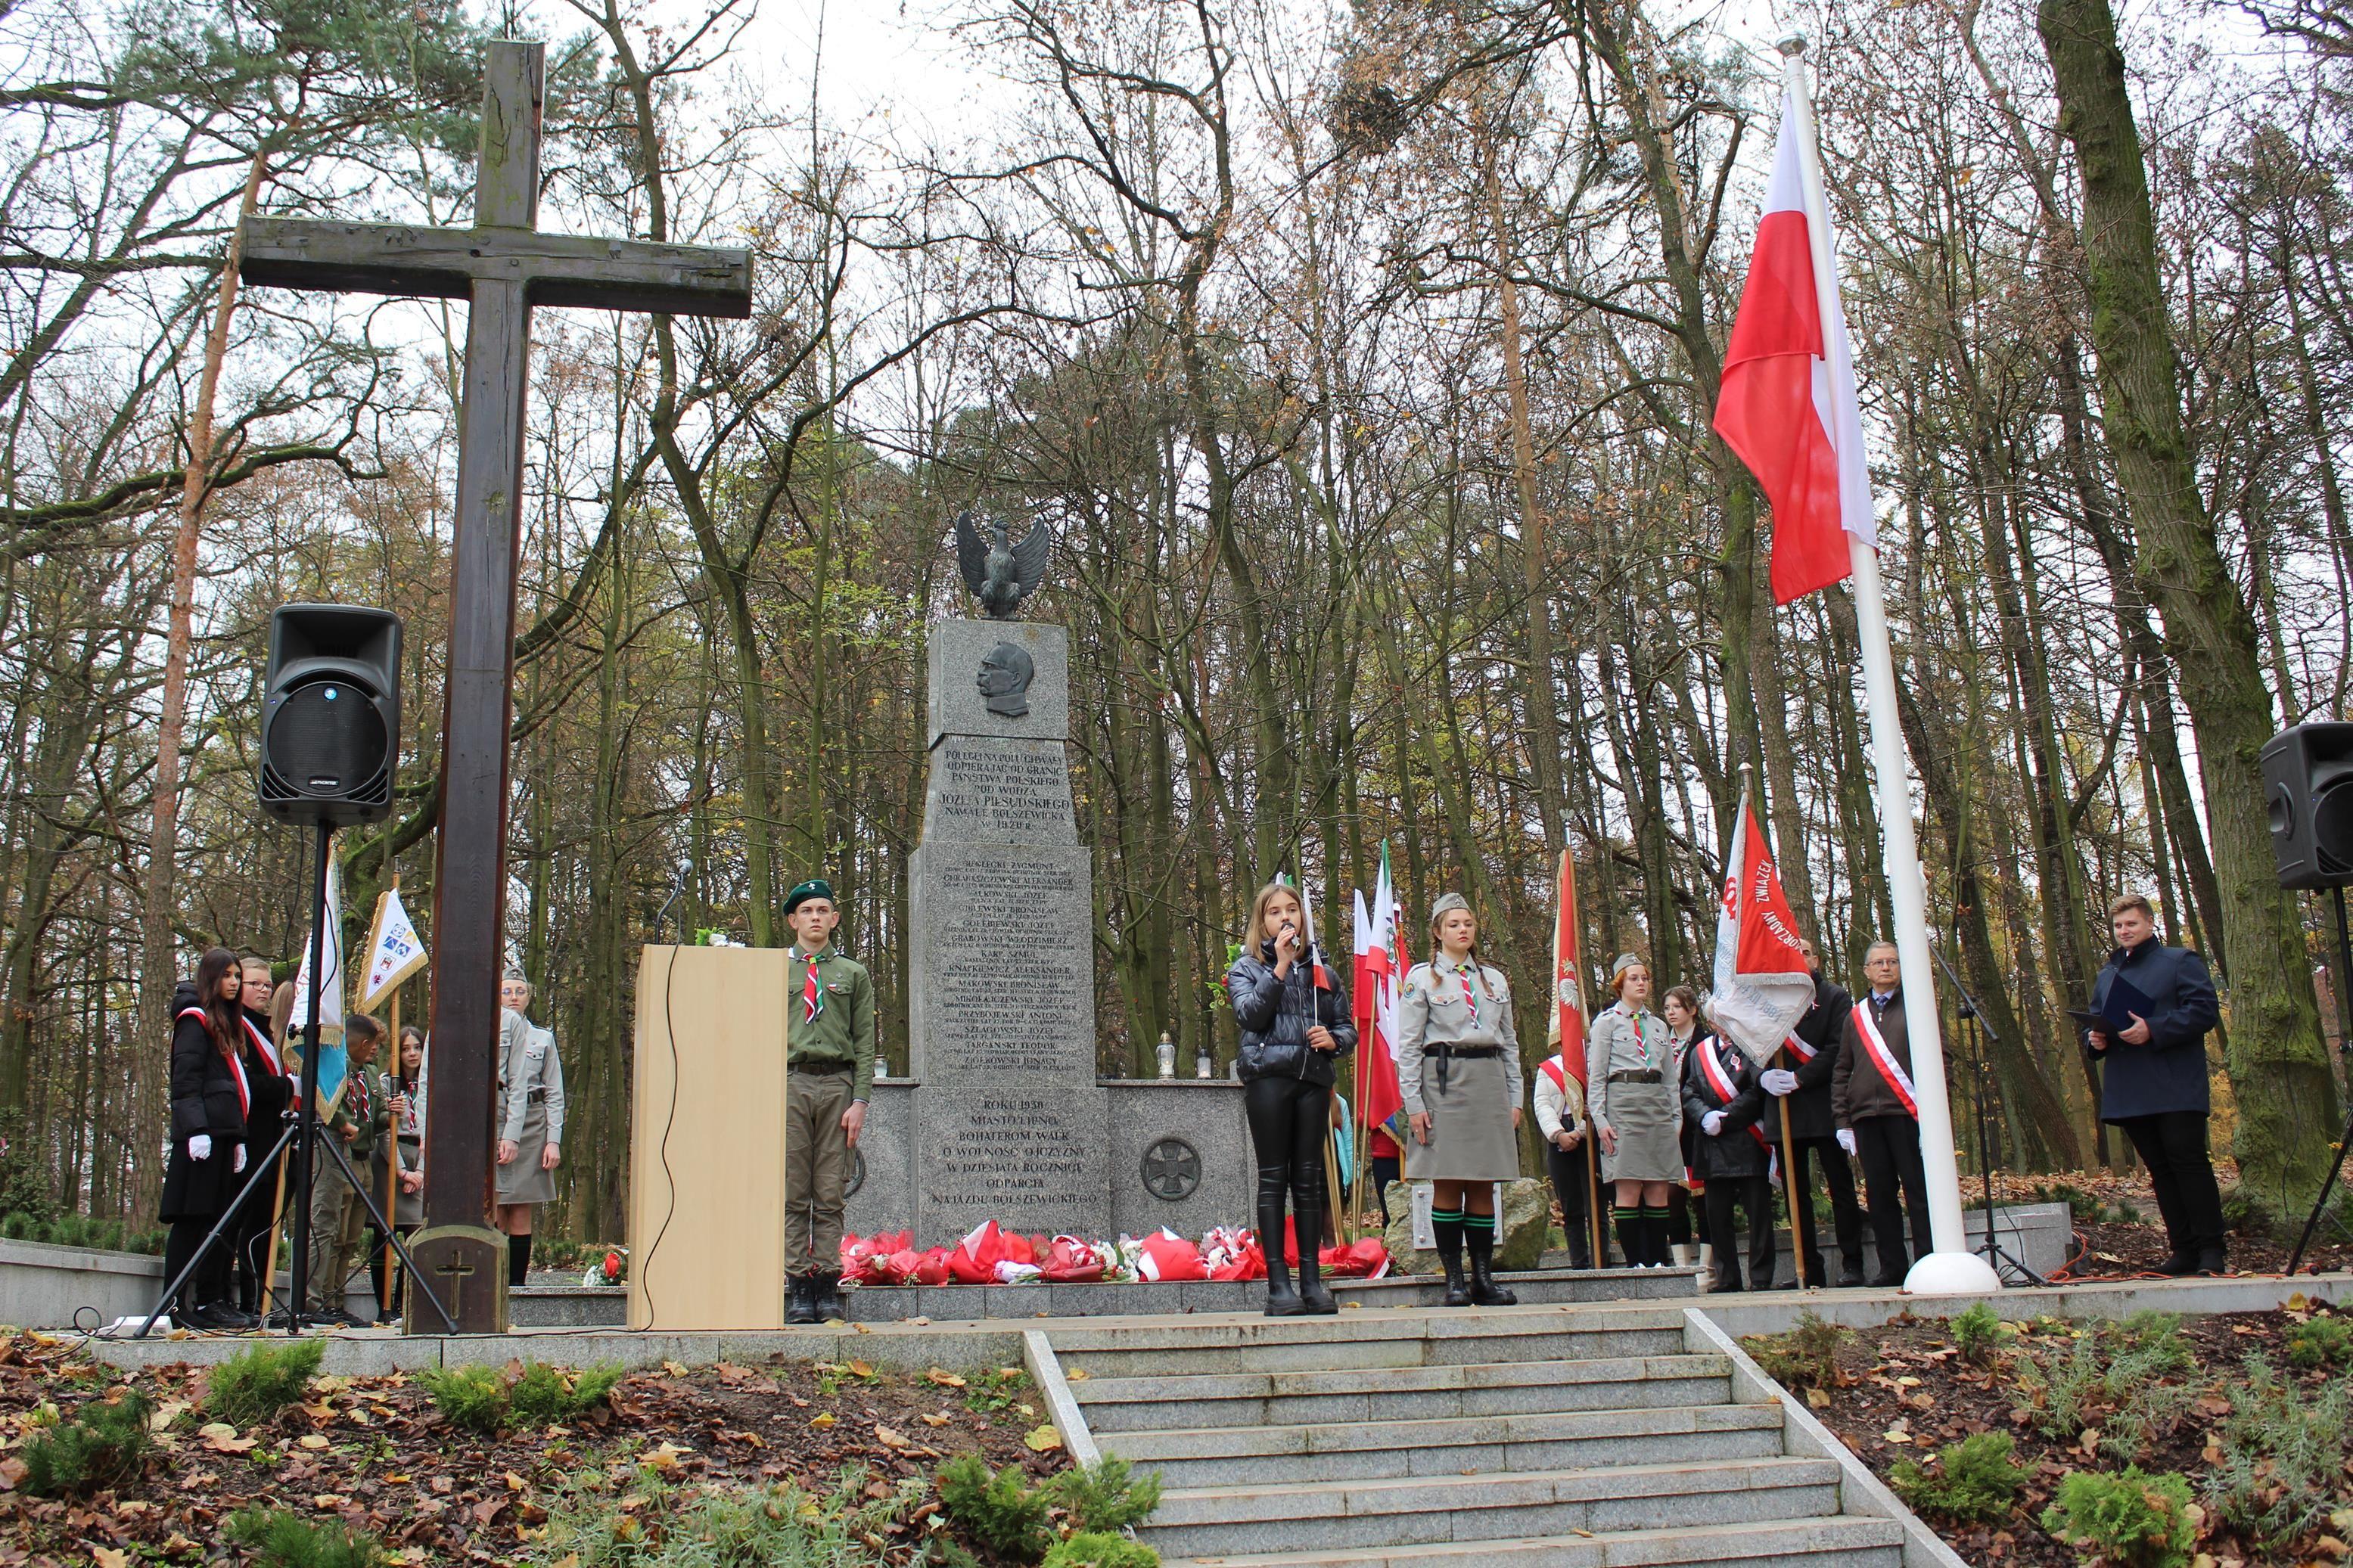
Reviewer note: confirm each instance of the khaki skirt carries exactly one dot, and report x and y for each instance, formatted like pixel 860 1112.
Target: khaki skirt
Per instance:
pixel 1471 1136
pixel 521 1181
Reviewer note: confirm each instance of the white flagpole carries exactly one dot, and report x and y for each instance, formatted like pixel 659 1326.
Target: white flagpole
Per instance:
pixel 1950 1268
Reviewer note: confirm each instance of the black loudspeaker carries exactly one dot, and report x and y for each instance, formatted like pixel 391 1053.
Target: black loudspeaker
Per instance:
pixel 2308 790
pixel 330 713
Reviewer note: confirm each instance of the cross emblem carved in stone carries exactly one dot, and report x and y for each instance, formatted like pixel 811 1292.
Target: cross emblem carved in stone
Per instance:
pixel 505 266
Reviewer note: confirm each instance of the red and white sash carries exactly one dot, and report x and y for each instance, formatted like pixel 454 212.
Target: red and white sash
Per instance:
pixel 1719 1082
pixel 243 1095
pixel 261 1043
pixel 1798 1049
pixel 1551 1067
pixel 1874 1045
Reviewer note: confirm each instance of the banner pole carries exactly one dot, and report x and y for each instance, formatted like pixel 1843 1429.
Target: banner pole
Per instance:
pixel 1789 1181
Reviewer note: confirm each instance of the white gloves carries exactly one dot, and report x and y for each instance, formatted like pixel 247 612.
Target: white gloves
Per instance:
pixel 200 1147
pixel 236 1163
pixel 1846 1139
pixel 1777 1080
pixel 1712 1123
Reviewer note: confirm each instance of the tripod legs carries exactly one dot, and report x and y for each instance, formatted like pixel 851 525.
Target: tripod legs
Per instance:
pixel 224 1226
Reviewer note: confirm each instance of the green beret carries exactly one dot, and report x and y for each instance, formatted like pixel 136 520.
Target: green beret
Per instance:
pixel 815 887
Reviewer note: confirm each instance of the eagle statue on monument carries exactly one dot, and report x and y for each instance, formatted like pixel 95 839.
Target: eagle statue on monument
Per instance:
pixel 1003 574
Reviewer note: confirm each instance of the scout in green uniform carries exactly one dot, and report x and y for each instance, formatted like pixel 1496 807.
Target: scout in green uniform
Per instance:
pixel 828 1077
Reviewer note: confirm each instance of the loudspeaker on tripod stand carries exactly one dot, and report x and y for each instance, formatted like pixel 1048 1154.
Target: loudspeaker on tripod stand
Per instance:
pixel 2308 796
pixel 331 714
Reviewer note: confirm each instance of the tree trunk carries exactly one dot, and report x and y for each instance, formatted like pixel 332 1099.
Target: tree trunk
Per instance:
pixel 2287 1096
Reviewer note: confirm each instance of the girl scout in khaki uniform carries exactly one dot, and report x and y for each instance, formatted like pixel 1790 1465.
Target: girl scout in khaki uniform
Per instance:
pixel 1459 1068
pixel 1637 1112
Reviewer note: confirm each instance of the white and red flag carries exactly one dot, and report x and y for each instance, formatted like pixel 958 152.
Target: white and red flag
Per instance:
pixel 1788 404
pixel 1380 965
pixel 1762 985
pixel 1566 1028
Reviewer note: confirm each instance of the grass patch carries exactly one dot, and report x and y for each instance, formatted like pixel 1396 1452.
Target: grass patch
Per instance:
pixel 255 1385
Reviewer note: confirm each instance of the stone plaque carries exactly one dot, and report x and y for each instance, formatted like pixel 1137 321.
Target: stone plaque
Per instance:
pixel 1001 962
pixel 999 791
pixel 1026 1150
pixel 958 649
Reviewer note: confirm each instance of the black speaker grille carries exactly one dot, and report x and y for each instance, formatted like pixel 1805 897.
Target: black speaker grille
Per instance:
pixel 2332 826
pixel 327 739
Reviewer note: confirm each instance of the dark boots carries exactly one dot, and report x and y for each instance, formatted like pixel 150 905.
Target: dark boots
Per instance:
pixel 518 1259
pixel 825 1294
pixel 1447 1225
pixel 800 1299
pixel 1314 1296
pixel 1631 1243
pixel 1479 1234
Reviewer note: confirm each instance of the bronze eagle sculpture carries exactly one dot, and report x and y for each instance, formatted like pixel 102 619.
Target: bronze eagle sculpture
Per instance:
pixel 1003 574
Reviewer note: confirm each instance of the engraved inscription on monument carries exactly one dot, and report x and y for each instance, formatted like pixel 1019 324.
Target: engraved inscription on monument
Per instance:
pixel 1027 1150
pixel 998 790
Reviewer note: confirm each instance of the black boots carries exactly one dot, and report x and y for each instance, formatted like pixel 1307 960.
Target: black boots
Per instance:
pixel 1314 1296
pixel 800 1299
pixel 1447 1225
pixel 825 1296
pixel 1281 1300
pixel 1478 1232
pixel 518 1259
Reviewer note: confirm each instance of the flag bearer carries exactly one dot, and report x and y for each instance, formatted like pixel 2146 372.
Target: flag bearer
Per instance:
pixel 1722 1102
pixel 1560 1117
pixel 1879 1114
pixel 828 1078
pixel 1459 1068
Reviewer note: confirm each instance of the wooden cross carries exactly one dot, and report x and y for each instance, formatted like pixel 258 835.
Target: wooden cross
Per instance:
pixel 505 266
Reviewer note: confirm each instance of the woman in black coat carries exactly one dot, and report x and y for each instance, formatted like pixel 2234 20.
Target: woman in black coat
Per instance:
pixel 270 1093
pixel 1292 1030
pixel 1722 1101
pixel 210 1099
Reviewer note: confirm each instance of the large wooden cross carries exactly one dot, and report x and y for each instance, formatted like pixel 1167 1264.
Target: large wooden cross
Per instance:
pixel 503 266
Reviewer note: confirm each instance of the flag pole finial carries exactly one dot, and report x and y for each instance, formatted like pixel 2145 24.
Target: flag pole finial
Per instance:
pixel 1792 43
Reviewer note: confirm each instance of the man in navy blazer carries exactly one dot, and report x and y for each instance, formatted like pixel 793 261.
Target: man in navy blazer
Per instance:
pixel 2154 1084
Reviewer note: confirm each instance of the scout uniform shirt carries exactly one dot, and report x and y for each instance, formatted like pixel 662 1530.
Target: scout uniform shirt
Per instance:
pixel 829 1016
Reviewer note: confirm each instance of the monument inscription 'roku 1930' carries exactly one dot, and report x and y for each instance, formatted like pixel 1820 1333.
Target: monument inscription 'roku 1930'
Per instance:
pixel 1010 1124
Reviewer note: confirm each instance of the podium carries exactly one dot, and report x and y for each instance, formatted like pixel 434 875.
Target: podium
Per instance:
pixel 707 1140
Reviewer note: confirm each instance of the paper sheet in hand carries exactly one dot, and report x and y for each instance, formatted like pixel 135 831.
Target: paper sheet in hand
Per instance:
pixel 2115 1014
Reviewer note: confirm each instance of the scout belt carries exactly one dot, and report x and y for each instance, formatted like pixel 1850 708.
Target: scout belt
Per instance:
pixel 824 1067
pixel 1446 1054
pixel 1637 1075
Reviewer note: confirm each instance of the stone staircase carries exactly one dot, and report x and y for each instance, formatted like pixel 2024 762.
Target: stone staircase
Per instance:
pixel 1565 1437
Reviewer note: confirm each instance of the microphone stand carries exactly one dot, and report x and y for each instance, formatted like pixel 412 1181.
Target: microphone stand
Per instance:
pixel 1980 1032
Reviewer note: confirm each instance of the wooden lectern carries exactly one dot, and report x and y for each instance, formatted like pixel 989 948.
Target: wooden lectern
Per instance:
pixel 707 1140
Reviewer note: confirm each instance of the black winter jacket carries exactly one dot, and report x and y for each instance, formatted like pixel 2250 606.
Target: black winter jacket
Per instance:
pixel 2168 1073
pixel 1824 1028
pixel 1276 1013
pixel 205 1097
pixel 1734 1151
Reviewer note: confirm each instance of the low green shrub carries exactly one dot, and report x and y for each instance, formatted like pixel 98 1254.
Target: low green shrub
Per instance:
pixel 255 1385
pixel 995 1509
pixel 1976 1333
pixel 106 1444
pixel 2282 1449
pixel 544 1394
pixel 281 1540
pixel 1103 1496
pixel 470 1398
pixel 2114 1377
pixel 1975 1481
pixel 2128 1521
pixel 1804 1357
pixel 2321 1342
pixel 1100 1549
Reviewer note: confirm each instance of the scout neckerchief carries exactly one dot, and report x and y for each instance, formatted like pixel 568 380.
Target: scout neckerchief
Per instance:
pixel 812 993
pixel 1874 1045
pixel 260 1043
pixel 1463 971
pixel 1641 1040
pixel 243 1095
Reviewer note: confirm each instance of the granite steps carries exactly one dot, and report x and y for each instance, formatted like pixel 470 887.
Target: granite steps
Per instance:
pixel 1576 1437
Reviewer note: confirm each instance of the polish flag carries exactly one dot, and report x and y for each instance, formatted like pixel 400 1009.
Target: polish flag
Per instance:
pixel 1787 406
pixel 1565 1029
pixel 1381 966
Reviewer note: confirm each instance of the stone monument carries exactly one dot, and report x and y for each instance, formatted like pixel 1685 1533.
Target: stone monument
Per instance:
pixel 1001 1116
pixel 1010 1124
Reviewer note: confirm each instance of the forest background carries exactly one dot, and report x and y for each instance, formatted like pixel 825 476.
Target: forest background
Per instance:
pixel 1361 356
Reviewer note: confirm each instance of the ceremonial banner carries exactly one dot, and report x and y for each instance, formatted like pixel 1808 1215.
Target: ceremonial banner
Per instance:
pixel 395 950
pixel 1566 1030
pixel 1789 405
pixel 1380 965
pixel 1762 985
pixel 331 996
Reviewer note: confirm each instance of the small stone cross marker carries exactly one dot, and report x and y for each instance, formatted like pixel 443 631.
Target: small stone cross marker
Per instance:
pixel 505 266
